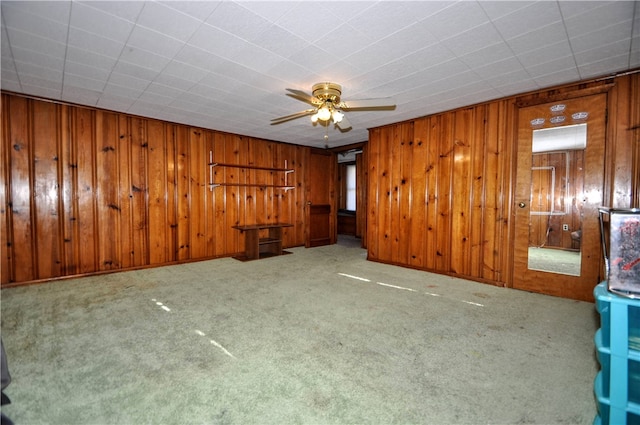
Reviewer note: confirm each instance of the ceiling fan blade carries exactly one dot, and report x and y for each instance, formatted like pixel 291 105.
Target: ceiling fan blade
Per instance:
pixel 344 124
pixel 292 116
pixel 380 103
pixel 305 97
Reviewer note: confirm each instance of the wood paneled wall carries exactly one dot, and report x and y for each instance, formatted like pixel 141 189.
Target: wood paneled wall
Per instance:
pixel 85 191
pixel 441 187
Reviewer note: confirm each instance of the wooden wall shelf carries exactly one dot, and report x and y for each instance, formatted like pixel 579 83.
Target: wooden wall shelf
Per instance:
pixel 284 170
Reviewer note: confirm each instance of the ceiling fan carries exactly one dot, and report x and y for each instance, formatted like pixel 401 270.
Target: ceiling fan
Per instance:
pixel 327 106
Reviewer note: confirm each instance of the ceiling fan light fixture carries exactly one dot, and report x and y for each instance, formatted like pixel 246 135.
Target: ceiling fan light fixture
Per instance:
pixel 314 118
pixel 324 113
pixel 337 116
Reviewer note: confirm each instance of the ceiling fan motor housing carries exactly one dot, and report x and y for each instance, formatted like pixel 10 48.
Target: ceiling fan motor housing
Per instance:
pixel 327 92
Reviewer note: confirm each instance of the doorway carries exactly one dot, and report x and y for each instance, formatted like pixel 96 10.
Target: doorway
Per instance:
pixel 351 190
pixel 559 187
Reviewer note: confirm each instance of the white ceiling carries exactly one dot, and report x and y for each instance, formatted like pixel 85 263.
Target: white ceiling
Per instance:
pixel 225 65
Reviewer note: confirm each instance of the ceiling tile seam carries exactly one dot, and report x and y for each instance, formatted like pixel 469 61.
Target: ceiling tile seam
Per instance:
pixel 159 73
pixel 634 21
pixel 13 60
pixel 66 51
pixel 119 56
pixel 566 31
pixel 513 54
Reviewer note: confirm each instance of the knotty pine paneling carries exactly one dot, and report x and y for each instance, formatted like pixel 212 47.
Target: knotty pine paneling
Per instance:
pixel 444 193
pixel 461 179
pixel 86 190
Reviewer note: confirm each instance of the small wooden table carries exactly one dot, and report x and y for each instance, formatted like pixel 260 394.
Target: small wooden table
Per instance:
pixel 257 247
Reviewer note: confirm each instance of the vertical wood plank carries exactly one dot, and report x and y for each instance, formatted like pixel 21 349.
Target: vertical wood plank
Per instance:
pixel 418 178
pixel 85 213
pixel 434 128
pixel 125 195
pixel 183 197
pixel 68 189
pixel 46 195
pixel 139 191
pixel 158 228
pixel 107 196
pixel 477 196
pixel 197 170
pixel 445 190
pixel 173 240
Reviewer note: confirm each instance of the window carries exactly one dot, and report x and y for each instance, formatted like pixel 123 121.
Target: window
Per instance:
pixel 351 187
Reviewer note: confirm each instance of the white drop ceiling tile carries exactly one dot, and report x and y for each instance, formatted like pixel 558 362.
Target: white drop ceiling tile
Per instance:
pixel 500 8
pixel 536 15
pixel 488 54
pixel 154 42
pixel 271 11
pixel 35 43
pixel 557 77
pixel 34 24
pixel 229 74
pixel 87 71
pixel 140 76
pixel 89 19
pixel 572 8
pixel 38 71
pixel 538 38
pixel 10 82
pixel 174 82
pixel 334 41
pixel 546 53
pixel 502 67
pixel 382 19
pixel 34 89
pixel 602 36
pixel 134 56
pixel 280 41
pixel 145 109
pixel 518 76
pixel 473 40
pixel 604 52
pixel 54 10
pixel 153 99
pixel 297 22
pixel 254 57
pixel 127 10
pixel 165 20
pixel 235 19
pixel 81 82
pixel 511 89
pixel 606 67
pixel 184 71
pixel 163 90
pixel 408 40
pixel 457 18
pixel 546 68
pixel 313 58
pixel 53 84
pixel 216 41
pixel 197 57
pixel 94 43
pixel 80 56
pixel 610 13
pixel 134 85
pixel 38 59
pixel 113 102
pixel 341 71
pixel 200 10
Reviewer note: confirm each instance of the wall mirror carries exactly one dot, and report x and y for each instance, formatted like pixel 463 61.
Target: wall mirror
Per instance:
pixel 557 194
